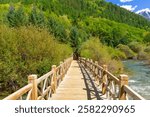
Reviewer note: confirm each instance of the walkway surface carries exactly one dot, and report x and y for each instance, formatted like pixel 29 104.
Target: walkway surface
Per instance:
pixel 77 85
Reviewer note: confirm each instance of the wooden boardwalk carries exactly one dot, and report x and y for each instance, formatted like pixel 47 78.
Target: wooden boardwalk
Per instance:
pixel 76 80
pixel 75 86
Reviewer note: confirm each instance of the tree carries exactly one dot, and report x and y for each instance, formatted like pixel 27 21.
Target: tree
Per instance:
pixel 17 17
pixel 74 41
pixel 11 16
pixel 36 18
pixel 57 28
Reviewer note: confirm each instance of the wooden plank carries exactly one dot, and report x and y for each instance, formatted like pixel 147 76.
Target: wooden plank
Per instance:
pixel 73 86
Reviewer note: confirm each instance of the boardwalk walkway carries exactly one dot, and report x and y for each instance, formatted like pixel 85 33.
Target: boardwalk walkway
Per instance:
pixel 76 80
pixel 77 85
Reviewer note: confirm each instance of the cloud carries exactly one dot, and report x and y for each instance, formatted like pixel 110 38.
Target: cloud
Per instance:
pixel 129 7
pixel 126 0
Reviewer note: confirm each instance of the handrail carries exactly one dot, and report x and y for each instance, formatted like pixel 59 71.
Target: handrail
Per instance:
pixel 19 92
pixel 112 86
pixel 132 93
pixel 44 86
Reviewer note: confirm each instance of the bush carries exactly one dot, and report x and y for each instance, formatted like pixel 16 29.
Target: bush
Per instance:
pixel 147 49
pixel 27 50
pixel 36 18
pixel 116 54
pixel 95 50
pixel 147 38
pixel 135 47
pixel 128 52
pixel 115 66
pixel 142 55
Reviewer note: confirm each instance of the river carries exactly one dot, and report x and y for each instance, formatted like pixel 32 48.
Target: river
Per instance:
pixel 139 79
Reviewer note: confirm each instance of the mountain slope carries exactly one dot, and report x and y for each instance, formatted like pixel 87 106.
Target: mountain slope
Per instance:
pixel 145 13
pixel 86 18
pixel 78 9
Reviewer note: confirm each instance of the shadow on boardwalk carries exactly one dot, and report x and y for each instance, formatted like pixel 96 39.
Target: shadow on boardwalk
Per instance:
pixel 92 88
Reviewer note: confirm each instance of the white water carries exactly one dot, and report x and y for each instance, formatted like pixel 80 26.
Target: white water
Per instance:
pixel 140 79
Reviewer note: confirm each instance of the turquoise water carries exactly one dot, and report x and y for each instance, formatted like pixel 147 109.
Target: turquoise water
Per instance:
pixel 139 80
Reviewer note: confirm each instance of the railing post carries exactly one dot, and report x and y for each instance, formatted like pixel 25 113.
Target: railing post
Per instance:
pixel 33 79
pixel 54 79
pixel 91 66
pixel 123 81
pixel 80 59
pixel 96 70
pixel 85 63
pixel 104 79
pixel 88 63
pixel 61 70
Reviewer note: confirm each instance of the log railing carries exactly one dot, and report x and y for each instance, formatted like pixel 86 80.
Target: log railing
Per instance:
pixel 113 87
pixel 42 88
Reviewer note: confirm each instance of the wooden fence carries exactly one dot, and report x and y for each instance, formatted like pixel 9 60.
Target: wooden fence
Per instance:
pixel 113 87
pixel 43 87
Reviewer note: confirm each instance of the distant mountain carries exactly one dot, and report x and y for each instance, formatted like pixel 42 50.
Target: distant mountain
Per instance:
pixel 145 13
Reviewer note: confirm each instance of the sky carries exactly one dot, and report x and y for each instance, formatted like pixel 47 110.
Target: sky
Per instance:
pixel 132 5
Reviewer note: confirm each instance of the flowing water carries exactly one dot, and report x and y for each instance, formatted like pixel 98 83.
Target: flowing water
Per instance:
pixel 139 80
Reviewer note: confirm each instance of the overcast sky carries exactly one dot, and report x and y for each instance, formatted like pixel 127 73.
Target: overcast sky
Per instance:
pixel 132 5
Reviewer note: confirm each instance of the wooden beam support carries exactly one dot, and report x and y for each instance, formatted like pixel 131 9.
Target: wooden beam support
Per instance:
pixel 123 81
pixel 33 79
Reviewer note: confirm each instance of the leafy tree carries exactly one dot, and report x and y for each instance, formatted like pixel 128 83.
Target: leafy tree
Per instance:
pixel 57 28
pixel 16 17
pixel 11 16
pixel 74 41
pixel 36 18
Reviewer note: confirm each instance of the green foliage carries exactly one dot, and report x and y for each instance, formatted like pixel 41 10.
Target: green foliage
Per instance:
pixel 143 55
pixel 93 49
pixel 36 18
pixel 8 1
pixel 115 13
pixel 26 2
pixel 147 38
pixel 111 33
pixel 25 51
pixel 32 50
pixel 79 9
pixel 58 26
pixel 116 53
pixel 147 49
pixel 16 17
pixel 135 47
pixel 128 52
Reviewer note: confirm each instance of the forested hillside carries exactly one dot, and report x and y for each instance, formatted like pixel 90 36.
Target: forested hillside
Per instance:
pixel 38 33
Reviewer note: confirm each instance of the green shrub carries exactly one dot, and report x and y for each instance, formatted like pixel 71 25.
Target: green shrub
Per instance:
pixel 142 55
pixel 115 67
pixel 17 17
pixel 116 54
pixel 128 52
pixel 147 38
pixel 27 50
pixel 93 49
pixel 135 47
pixel 147 49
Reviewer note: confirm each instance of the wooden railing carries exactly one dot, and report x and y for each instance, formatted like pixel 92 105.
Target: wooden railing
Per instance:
pixel 43 87
pixel 113 87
